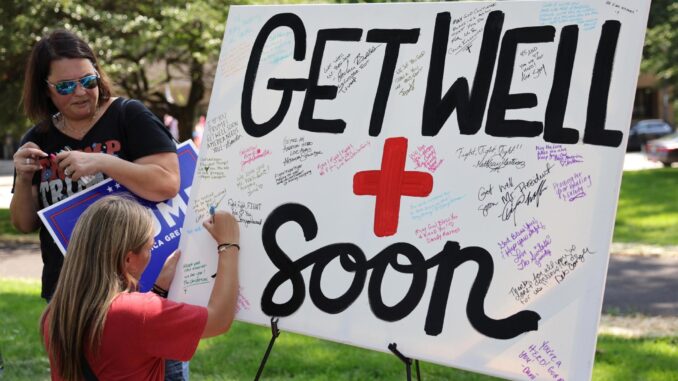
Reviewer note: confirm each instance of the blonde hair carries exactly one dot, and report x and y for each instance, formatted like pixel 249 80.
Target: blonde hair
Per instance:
pixel 93 274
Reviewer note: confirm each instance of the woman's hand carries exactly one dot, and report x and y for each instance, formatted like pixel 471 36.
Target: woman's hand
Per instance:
pixel 76 164
pixel 166 275
pixel 224 228
pixel 26 161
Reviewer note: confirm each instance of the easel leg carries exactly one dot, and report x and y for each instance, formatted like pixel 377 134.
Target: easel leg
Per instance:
pixel 275 332
pixel 393 347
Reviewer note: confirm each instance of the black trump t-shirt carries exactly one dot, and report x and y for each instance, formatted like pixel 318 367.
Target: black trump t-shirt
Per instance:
pixel 127 129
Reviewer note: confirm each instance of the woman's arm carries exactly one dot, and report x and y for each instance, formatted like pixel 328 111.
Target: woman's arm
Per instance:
pixel 221 306
pixel 24 205
pixel 153 177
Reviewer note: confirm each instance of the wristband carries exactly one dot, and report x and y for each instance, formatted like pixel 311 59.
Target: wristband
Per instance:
pixel 225 246
pixel 161 292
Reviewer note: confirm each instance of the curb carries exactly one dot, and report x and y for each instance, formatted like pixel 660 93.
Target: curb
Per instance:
pixel 643 249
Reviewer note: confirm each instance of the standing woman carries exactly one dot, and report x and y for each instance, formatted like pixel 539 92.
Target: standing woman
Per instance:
pixel 81 136
pixel 114 332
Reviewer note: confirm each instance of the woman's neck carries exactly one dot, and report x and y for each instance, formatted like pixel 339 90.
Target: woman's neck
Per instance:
pixel 78 128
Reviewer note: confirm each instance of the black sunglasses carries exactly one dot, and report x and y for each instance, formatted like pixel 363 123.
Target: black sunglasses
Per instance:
pixel 68 87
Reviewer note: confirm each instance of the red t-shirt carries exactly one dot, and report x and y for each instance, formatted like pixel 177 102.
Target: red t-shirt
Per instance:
pixel 141 330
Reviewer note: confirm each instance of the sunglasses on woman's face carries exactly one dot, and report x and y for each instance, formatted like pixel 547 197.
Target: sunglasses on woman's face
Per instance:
pixel 68 87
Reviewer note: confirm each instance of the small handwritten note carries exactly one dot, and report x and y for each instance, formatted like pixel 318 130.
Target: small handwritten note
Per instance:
pixel 555 270
pixel 569 12
pixel 279 46
pixel 290 175
pixel 222 133
pixel 246 212
pixel 426 157
pixel 202 204
pixel 514 194
pixel 438 230
pixel 432 205
pixel 243 303
pixel 344 68
pixel 521 247
pixel 341 158
pixel 557 152
pixel 493 157
pixel 251 154
pixel 466 28
pixel 526 192
pixel 573 187
pixel 621 8
pixel 298 149
pixel 195 274
pixel 212 168
pixel 406 74
pixel 531 65
pixel 540 361
pixel 235 59
pixel 249 181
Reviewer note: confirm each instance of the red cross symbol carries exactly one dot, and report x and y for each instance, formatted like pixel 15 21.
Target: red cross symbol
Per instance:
pixel 391 183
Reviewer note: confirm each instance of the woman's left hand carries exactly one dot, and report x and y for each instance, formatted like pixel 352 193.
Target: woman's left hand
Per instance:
pixel 75 164
pixel 166 275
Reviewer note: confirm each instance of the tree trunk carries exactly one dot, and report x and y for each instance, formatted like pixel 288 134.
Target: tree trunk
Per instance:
pixel 186 114
pixel 185 117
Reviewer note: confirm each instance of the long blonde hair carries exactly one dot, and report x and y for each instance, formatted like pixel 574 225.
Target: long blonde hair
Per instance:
pixel 93 274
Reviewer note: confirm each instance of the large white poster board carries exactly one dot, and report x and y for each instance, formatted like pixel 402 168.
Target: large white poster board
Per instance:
pixel 443 175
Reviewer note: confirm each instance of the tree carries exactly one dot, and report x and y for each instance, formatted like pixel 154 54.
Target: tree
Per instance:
pixel 660 56
pixel 143 45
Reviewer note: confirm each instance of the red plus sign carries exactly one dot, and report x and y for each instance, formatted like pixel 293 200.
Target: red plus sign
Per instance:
pixel 390 184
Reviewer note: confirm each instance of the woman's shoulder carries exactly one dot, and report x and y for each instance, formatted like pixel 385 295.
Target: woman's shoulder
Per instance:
pixel 133 302
pixel 130 107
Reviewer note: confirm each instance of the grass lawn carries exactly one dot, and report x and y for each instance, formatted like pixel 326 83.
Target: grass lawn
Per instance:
pixel 236 355
pixel 648 207
pixel 7 231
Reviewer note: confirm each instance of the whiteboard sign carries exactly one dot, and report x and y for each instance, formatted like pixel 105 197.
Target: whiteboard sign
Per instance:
pixel 443 175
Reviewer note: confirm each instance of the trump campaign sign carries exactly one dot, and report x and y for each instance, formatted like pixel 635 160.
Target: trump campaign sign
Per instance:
pixel 168 216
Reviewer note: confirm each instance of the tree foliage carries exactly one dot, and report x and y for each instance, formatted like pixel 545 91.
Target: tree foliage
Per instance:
pixel 661 42
pixel 143 45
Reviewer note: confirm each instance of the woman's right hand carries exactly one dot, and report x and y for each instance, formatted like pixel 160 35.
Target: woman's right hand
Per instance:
pixel 224 228
pixel 26 161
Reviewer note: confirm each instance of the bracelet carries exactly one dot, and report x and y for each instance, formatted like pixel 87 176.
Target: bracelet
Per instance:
pixel 161 292
pixel 225 246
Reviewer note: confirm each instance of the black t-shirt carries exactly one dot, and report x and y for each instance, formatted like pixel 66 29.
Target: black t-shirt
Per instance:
pixel 127 129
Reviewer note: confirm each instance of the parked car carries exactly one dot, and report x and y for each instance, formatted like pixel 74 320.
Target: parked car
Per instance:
pixel 645 130
pixel 663 150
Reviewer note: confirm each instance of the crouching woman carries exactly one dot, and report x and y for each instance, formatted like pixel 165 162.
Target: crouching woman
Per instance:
pixel 98 326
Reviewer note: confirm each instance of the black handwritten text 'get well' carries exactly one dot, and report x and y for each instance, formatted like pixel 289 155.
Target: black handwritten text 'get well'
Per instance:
pixel 470 103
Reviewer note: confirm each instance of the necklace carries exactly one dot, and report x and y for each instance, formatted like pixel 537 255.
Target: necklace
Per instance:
pixel 60 123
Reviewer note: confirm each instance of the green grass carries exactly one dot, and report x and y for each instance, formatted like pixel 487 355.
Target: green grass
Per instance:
pixel 7 231
pixel 648 207
pixel 236 355
pixel 20 345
